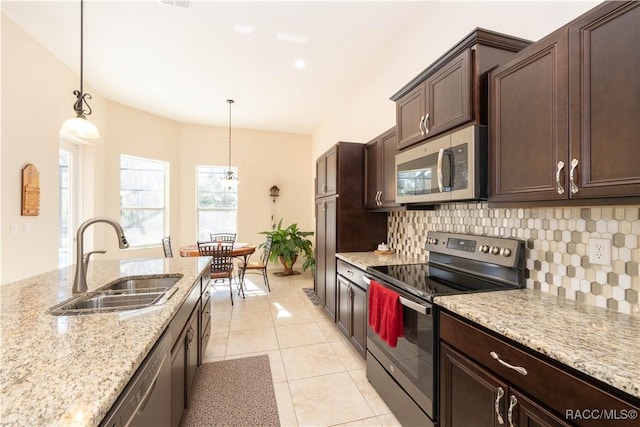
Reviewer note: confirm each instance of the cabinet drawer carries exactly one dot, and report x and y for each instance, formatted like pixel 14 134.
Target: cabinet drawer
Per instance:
pixel 352 273
pixel 557 388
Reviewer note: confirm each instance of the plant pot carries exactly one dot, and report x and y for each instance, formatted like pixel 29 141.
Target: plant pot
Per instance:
pixel 288 271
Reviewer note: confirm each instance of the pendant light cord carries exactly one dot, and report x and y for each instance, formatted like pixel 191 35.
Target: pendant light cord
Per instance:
pixel 81 41
pixel 230 101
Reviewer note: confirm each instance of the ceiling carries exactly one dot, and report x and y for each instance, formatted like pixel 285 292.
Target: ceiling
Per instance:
pixel 183 63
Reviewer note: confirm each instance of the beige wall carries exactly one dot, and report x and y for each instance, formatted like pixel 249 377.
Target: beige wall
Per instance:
pixel 34 105
pixel 367 111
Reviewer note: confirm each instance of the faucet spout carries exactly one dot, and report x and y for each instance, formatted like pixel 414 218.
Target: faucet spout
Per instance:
pixel 80 280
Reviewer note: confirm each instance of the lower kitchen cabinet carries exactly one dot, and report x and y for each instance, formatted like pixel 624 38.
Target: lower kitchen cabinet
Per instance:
pixel 351 311
pixel 485 380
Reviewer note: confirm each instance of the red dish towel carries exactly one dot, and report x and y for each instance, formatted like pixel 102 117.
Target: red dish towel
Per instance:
pixel 385 313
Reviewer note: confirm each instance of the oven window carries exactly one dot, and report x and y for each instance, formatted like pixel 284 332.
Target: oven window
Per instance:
pixel 414 353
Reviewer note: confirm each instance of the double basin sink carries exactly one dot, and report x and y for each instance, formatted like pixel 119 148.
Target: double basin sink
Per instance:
pixel 126 293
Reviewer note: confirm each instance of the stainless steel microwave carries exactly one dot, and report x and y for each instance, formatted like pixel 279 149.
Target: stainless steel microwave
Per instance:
pixel 451 167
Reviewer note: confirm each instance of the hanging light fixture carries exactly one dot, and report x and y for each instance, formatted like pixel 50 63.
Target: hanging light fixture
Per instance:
pixel 230 179
pixel 79 126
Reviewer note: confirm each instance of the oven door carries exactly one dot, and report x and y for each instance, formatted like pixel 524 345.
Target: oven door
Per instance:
pixel 412 362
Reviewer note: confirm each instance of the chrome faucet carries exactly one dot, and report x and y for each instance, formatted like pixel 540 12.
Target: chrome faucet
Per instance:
pixel 82 260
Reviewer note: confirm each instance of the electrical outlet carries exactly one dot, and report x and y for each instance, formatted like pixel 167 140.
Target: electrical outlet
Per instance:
pixel 600 251
pixel 13 229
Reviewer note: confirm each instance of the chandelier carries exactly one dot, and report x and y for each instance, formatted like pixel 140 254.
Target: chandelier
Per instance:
pixel 230 179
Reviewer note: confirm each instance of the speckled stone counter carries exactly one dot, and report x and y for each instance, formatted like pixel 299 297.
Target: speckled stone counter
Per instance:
pixel 69 370
pixel 601 343
pixel 363 260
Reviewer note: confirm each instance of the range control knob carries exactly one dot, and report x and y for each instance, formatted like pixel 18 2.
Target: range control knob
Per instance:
pixel 495 250
pixel 506 252
pixel 484 249
pixel 434 241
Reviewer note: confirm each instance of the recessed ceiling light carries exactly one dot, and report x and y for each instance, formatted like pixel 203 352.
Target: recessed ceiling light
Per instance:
pixel 244 29
pixel 300 64
pixel 180 3
pixel 292 38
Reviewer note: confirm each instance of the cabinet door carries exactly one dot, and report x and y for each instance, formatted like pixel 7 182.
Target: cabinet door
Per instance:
pixel 343 306
pixel 605 100
pixel 410 117
pixel 191 346
pixel 178 379
pixel 372 174
pixel 359 319
pixel 330 256
pixel 388 150
pixel 527 413
pixel 332 172
pixel 321 260
pixel 529 125
pixel 321 176
pixel 469 395
pixel 449 96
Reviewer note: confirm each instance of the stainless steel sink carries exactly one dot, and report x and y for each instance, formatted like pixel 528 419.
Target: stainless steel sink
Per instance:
pixel 135 283
pixel 127 293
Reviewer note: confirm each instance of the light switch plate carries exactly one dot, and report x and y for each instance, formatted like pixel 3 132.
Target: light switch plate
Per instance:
pixel 600 251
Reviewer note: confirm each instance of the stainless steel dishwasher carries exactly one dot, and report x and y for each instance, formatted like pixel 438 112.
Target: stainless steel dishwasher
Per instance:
pixel 146 400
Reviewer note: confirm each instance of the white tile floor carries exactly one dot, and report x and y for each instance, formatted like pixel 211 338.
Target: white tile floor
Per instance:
pixel 319 378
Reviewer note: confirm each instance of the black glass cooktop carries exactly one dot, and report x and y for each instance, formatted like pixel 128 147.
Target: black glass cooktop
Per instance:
pixel 427 281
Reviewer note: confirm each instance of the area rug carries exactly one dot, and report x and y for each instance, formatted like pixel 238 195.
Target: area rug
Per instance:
pixel 312 296
pixel 236 392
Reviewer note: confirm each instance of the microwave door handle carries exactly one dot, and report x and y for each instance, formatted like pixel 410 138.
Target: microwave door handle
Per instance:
pixel 439 170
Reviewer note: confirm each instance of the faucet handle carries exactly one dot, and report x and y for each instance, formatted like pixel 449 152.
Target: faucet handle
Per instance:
pixel 85 257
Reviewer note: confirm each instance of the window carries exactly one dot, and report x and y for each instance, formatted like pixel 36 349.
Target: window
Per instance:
pixel 217 204
pixel 143 196
pixel 69 160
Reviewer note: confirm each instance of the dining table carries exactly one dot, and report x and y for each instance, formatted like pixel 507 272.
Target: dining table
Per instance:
pixel 240 250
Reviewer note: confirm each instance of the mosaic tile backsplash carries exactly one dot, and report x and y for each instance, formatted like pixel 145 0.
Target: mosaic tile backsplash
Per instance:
pixel 557 245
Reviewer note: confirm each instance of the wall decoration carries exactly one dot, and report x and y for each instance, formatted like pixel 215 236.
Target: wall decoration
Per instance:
pixel 274 193
pixel 30 191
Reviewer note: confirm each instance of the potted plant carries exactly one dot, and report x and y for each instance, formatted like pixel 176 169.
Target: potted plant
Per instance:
pixel 287 244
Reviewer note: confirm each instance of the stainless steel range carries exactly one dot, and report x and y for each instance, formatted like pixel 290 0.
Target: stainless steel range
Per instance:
pixel 406 376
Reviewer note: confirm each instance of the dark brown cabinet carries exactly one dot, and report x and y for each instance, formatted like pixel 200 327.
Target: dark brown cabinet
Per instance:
pixel 342 224
pixel 204 323
pixel 326 174
pixel 486 380
pixel 380 171
pixel 453 90
pixel 564 112
pixel 351 307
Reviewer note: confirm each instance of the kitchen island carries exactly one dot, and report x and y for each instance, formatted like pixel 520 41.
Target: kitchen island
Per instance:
pixel 69 370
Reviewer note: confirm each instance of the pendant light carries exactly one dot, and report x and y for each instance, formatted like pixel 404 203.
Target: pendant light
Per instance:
pixel 79 126
pixel 230 179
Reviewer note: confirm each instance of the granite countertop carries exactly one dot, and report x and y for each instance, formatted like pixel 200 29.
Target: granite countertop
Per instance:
pixel 363 260
pixel 598 342
pixel 69 370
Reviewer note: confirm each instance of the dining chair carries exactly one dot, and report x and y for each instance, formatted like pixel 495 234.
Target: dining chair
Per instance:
pixel 257 266
pixel 223 237
pixel 166 246
pixel 221 262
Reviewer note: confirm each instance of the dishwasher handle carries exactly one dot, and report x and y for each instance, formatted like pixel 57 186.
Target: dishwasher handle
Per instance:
pixel 425 311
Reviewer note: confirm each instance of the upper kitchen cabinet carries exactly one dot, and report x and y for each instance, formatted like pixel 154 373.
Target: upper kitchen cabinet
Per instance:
pixel 564 113
pixel 327 174
pixel 453 90
pixel 380 171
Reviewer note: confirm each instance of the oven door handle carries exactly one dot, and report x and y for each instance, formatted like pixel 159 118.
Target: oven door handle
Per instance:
pixel 425 311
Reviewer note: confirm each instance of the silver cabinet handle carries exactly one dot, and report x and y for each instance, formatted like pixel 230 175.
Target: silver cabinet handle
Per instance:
pixel 512 404
pixel 378 196
pixel 574 187
pixel 518 369
pixel 426 121
pixel 324 206
pixel 497 405
pixel 559 187
pixel 420 125
pixel 324 188
pixel 440 158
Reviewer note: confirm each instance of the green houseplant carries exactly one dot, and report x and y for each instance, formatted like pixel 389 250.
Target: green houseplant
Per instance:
pixel 287 244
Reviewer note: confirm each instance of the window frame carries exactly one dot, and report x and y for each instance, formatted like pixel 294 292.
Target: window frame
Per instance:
pixel 165 201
